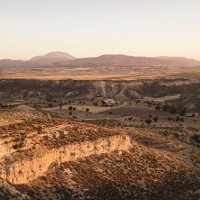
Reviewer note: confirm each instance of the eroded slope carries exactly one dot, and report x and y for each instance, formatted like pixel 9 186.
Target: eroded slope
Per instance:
pixel 29 148
pixel 60 159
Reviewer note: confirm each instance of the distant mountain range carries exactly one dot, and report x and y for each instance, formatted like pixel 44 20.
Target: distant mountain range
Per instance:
pixel 190 62
pixel 131 60
pixel 61 58
pixel 37 61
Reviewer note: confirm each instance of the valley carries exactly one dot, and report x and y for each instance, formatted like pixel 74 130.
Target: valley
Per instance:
pixel 98 131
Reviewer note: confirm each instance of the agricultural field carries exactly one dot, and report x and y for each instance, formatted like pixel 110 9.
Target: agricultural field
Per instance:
pixel 92 109
pixel 139 112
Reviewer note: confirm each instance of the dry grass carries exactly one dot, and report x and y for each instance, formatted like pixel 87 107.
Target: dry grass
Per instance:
pixel 4 121
pixel 89 77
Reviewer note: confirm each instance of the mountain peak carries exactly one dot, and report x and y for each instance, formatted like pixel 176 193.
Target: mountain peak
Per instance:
pixel 53 55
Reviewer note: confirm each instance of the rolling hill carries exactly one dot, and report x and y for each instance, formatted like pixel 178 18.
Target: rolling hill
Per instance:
pixel 131 60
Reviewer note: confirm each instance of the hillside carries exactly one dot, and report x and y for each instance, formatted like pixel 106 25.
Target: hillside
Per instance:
pixel 190 62
pixel 131 60
pixel 7 63
pixel 60 159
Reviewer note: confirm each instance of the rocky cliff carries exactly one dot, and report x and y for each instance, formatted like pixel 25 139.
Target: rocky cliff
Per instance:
pixel 26 169
pixel 34 158
pixel 60 159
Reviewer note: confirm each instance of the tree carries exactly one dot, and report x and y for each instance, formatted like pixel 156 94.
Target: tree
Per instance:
pixel 165 107
pixel 130 118
pixel 170 119
pixel 196 138
pixel 158 107
pixel 177 119
pixel 74 108
pixel 103 102
pixel 70 107
pixel 48 99
pixel 138 101
pixel 50 105
pixel 148 121
pixel 183 111
pixel 172 110
pixel 87 109
pixel 182 119
pixel 155 119
pixel 70 113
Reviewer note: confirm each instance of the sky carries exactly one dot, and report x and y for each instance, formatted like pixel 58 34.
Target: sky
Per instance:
pixel 87 28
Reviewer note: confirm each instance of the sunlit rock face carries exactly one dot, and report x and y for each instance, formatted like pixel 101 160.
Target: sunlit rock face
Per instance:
pixel 26 168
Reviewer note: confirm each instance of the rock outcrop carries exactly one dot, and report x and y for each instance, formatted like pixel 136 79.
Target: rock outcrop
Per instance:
pixel 26 169
pixel 34 158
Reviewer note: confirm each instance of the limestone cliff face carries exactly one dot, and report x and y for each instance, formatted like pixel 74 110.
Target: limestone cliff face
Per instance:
pixel 28 168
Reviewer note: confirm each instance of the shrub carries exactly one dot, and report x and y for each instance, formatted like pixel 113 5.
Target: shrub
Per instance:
pixel 196 138
pixel 176 134
pixel 16 146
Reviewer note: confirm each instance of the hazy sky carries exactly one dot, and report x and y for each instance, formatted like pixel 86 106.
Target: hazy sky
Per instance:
pixel 86 28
